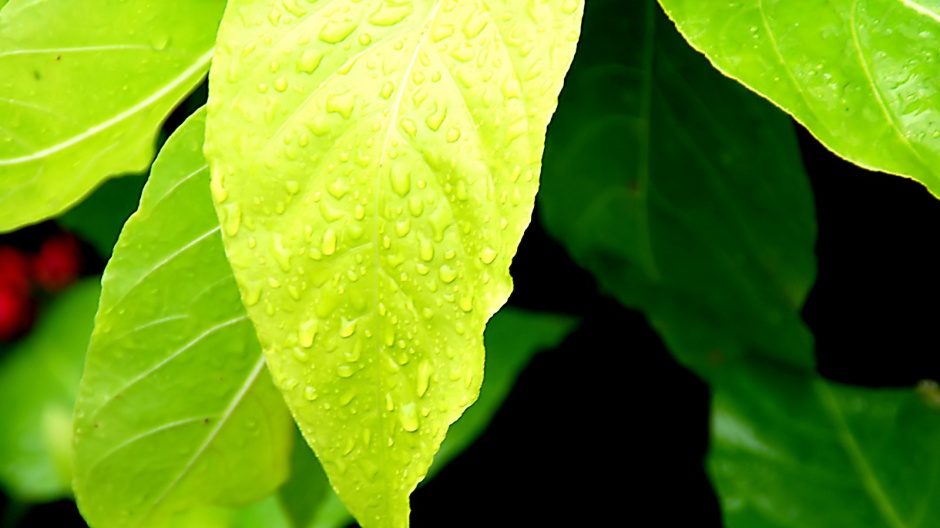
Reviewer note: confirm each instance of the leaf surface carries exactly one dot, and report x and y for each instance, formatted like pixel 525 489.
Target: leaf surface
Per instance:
pixel 374 166
pixel 85 86
pixel 38 385
pixel 176 409
pixel 690 204
pixel 859 74
pixel 512 338
pixel 790 450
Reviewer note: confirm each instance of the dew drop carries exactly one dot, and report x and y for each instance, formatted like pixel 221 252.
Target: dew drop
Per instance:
pixel 436 117
pixel 307 333
pixel 310 393
pixel 488 255
pixel 328 247
pixel 233 219
pixel 447 274
pixel 280 84
pixel 345 371
pixel 466 304
pixel 409 417
pixel 425 248
pixel 281 254
pixel 336 30
pixel 387 89
pixel 415 206
pixel 309 60
pixel 408 125
pixel 401 179
pixel 453 134
pixel 402 228
pixel 424 377
pixel 348 330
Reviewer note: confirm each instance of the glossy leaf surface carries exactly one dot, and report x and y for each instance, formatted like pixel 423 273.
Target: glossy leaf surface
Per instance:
pixel 374 165
pixel 512 338
pixel 38 384
pixel 859 74
pixel 793 450
pixel 691 204
pixel 85 86
pixel 176 409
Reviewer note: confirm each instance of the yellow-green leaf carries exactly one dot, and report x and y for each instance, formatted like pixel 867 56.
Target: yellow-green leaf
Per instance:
pixel 175 410
pixel 374 164
pixel 84 86
pixel 859 74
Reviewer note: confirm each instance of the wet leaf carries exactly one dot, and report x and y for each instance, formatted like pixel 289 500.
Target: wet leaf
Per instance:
pixel 691 203
pixel 374 166
pixel 176 409
pixel 791 450
pixel 38 384
pixel 512 338
pixel 859 74
pixel 85 86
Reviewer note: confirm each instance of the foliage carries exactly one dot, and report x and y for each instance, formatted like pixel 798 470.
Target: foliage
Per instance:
pixel 345 211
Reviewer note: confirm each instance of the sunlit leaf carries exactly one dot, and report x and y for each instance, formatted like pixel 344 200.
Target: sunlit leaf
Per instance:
pixel 38 384
pixel 859 74
pixel 512 337
pixel 84 88
pixel 690 201
pixel 176 409
pixel 374 166
pixel 791 450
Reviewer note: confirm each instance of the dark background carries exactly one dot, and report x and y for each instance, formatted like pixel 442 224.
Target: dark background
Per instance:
pixel 608 430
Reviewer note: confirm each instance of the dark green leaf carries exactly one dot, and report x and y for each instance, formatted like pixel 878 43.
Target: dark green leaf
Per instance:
pixel 791 450
pixel 681 191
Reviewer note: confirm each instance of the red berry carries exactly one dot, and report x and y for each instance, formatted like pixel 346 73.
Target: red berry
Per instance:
pixel 17 313
pixel 14 270
pixel 58 262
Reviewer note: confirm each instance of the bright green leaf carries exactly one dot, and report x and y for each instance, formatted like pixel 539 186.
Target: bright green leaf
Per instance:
pixel 859 74
pixel 691 203
pixel 791 450
pixel 374 166
pixel 512 337
pixel 263 514
pixel 85 86
pixel 38 384
pixel 176 409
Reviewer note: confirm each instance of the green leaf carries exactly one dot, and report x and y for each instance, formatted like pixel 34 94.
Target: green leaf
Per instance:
pixel 795 450
pixel 374 166
pixel 176 409
pixel 512 337
pixel 691 203
pixel 857 73
pixel 38 384
pixel 85 86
